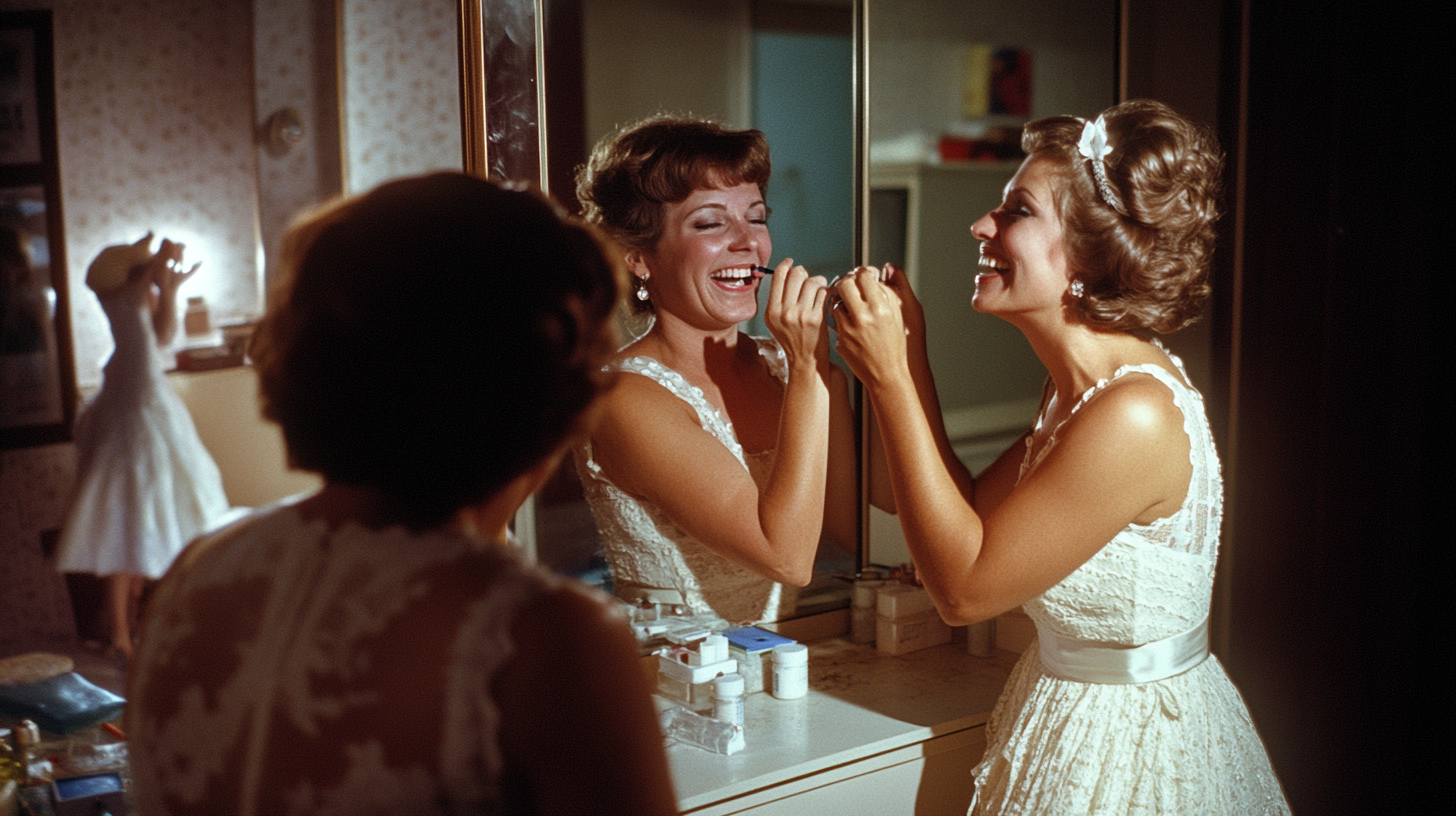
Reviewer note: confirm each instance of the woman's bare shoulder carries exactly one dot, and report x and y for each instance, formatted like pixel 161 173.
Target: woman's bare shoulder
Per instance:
pixel 639 404
pixel 1133 420
pixel 1137 397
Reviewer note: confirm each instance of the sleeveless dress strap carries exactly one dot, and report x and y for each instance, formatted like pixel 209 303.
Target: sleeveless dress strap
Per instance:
pixel 712 420
pixel 709 416
pixel 1180 390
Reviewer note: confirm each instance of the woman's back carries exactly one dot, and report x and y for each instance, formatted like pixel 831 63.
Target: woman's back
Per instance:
pixel 319 670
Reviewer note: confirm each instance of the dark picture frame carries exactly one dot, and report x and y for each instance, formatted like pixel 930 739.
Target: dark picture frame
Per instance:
pixel 37 366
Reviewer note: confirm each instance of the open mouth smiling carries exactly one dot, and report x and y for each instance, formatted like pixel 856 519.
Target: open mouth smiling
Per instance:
pixel 736 277
pixel 988 265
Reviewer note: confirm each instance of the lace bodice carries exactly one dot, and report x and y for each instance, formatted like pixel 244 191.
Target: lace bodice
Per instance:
pixel 1182 744
pixel 292 668
pixel 647 551
pixel 1150 581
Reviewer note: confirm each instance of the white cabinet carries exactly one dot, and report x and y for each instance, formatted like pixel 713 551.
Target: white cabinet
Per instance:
pixel 876 735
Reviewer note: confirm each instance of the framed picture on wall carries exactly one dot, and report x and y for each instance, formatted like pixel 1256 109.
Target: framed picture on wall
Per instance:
pixel 37 376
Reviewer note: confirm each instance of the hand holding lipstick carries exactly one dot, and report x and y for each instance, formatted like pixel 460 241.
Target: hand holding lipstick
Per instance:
pixel 795 313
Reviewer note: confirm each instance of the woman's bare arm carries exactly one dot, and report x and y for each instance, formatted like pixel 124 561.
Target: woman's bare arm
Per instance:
pixel 164 270
pixel 578 730
pixel 652 445
pixel 1123 458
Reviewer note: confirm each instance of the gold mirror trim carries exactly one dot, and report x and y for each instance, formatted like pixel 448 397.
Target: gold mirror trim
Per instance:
pixel 472 89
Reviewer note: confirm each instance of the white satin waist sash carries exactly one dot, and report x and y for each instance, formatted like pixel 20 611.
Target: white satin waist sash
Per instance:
pixel 1085 662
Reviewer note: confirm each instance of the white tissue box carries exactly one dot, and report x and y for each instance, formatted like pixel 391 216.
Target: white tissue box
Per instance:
pixel 898 601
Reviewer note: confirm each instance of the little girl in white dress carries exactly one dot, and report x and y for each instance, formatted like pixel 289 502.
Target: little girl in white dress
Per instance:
pixel 146 486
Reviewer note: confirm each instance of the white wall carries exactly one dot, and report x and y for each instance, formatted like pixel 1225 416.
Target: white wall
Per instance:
pixel 643 56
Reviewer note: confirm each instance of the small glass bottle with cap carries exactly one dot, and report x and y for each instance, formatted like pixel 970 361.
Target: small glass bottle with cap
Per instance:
pixel 790 671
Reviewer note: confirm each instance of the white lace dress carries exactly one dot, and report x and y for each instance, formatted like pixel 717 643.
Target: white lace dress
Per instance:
pixel 290 668
pixel 650 556
pixel 1184 744
pixel 145 484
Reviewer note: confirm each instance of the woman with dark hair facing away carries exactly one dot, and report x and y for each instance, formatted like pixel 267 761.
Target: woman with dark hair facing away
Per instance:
pixel 722 458
pixel 1103 523
pixel 433 349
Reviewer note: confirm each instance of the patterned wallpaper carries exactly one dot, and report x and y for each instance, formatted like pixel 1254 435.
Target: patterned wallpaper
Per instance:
pixel 402 89
pixel 155 112
pixel 295 65
pixel 35 492
pixel 154 116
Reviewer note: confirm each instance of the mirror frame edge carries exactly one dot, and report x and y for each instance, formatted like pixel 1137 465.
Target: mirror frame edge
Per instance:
pixel 859 400
pixel 472 88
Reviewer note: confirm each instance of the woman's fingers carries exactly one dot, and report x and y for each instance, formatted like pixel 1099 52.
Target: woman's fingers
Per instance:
pixel 795 313
pixel 871 327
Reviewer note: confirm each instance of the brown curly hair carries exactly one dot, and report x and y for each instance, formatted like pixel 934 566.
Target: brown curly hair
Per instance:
pixel 1148 269
pixel 631 175
pixel 435 338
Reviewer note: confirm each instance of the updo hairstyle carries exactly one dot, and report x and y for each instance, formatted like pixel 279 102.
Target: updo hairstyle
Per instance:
pixel 1147 270
pixel 631 176
pixel 435 338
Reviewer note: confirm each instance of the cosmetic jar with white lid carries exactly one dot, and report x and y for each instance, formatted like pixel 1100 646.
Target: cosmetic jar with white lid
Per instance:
pixel 728 696
pixel 791 671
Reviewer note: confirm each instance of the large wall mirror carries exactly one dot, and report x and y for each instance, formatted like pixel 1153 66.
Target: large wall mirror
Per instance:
pixel 950 83
pixel 942 85
pixel 783 68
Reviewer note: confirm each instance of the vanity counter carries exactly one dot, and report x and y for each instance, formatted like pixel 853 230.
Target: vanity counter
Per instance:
pixel 876 734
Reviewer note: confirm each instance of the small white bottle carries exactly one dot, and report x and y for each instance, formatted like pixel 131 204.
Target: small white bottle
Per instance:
pixel 862 610
pixel 197 320
pixel 790 671
pixel 728 697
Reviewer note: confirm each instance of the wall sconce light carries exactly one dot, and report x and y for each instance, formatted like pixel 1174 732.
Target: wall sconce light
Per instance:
pixel 282 131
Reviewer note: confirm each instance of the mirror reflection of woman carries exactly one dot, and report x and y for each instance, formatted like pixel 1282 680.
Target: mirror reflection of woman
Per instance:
pixel 1104 520
pixel 722 458
pixel 145 484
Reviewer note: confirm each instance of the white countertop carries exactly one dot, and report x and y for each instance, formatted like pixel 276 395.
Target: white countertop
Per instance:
pixel 860 703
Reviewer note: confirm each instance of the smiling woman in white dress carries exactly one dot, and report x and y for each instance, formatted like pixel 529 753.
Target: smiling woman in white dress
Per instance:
pixel 722 458
pixel 1103 523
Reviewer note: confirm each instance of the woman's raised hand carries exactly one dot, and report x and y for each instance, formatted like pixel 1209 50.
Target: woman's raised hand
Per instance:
pixel 876 313
pixel 165 267
pixel 795 313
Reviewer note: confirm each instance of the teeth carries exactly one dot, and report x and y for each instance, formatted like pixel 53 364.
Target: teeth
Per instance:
pixel 733 273
pixel 992 263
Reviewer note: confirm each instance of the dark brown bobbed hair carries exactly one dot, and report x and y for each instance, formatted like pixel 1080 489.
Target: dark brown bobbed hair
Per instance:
pixel 661 160
pixel 1147 270
pixel 435 338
